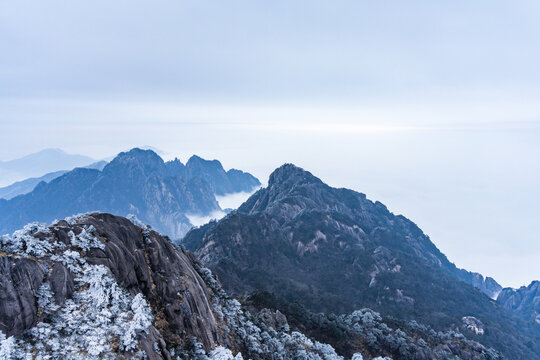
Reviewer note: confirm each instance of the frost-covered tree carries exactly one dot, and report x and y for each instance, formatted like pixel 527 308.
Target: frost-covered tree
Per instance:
pixel 99 314
pixel 221 353
pixel 8 348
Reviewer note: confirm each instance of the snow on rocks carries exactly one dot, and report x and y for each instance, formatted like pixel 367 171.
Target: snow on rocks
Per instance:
pixel 100 319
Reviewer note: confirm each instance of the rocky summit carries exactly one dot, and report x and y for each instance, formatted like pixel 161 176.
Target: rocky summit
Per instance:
pixel 334 251
pixel 137 182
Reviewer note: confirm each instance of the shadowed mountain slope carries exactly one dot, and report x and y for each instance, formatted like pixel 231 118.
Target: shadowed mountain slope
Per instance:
pixel 333 250
pixel 25 186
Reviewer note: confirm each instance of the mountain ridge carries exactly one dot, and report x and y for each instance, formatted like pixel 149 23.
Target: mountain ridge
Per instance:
pixel 291 176
pixel 25 186
pixel 333 250
pixel 137 182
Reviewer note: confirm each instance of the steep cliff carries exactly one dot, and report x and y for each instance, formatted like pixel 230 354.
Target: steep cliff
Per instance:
pixel 524 301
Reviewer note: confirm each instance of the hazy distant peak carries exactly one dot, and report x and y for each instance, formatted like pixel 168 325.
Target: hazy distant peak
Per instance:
pixel 49 151
pixel 44 152
pixel 154 149
pixel 98 165
pixel 223 182
pixel 47 154
pixel 139 153
pixel 197 160
pixel 40 163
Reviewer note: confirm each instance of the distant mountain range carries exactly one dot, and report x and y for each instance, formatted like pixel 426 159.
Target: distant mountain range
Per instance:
pixel 334 251
pixel 25 186
pixel 137 182
pixel 37 164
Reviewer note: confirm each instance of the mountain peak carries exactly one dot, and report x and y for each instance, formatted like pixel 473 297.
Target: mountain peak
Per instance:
pixel 139 153
pixel 292 190
pixel 51 151
pixel 147 159
pixel 290 173
pixel 45 154
pixel 197 160
pixel 176 161
pixel 223 182
pixel 333 250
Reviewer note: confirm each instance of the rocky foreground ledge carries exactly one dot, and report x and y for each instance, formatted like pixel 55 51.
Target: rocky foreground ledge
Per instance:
pixel 97 286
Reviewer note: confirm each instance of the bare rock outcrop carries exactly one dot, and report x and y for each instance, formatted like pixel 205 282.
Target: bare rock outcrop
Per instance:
pixel 20 279
pixel 44 268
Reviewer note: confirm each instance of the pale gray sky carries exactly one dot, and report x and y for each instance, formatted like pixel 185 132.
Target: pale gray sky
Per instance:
pixel 429 107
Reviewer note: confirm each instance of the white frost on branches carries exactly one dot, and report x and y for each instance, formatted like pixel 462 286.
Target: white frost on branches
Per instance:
pixel 86 239
pixel 72 220
pixel 221 353
pixel 7 347
pixel 260 340
pixel 23 243
pixel 135 220
pixel 141 321
pixel 100 315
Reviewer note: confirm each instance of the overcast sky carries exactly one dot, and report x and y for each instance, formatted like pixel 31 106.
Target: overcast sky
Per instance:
pixel 429 107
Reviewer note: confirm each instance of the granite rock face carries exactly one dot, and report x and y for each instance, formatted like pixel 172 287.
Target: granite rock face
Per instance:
pixel 335 251
pixel 137 182
pixel 19 281
pixel 487 285
pixel 149 264
pixel 140 261
pixel 524 301
pixel 62 283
